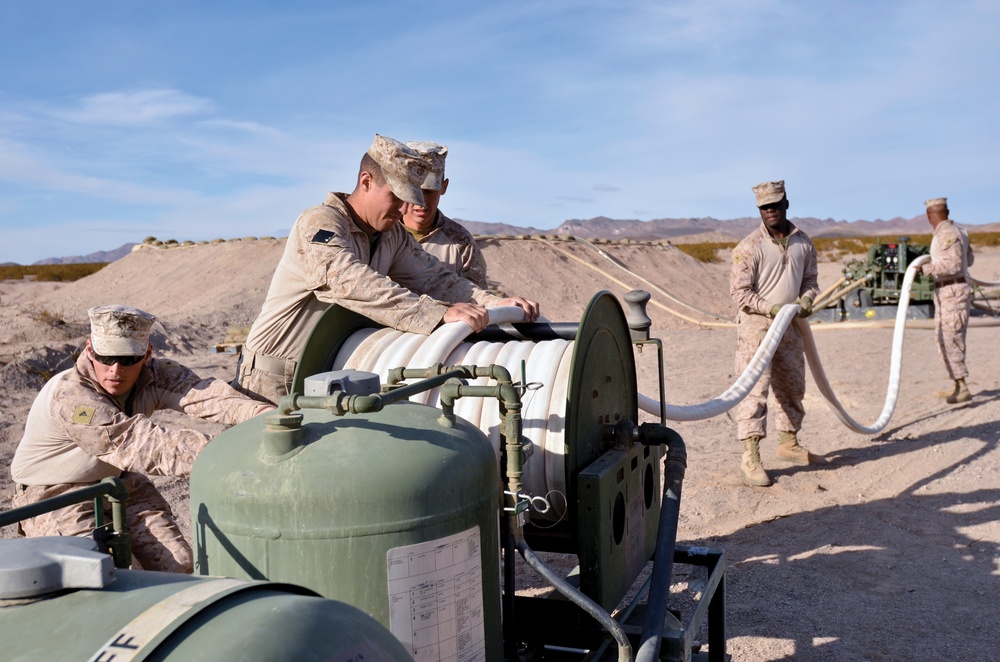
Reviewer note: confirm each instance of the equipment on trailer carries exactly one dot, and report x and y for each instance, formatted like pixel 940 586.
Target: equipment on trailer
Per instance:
pixel 402 509
pixel 371 488
pixel 66 598
pixel 870 288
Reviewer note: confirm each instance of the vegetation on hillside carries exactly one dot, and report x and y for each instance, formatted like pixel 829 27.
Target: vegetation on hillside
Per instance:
pixel 834 248
pixel 50 272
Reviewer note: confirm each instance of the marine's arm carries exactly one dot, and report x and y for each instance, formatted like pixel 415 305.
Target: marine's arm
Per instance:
pixel 742 279
pixel 130 443
pixel 336 273
pixel 181 389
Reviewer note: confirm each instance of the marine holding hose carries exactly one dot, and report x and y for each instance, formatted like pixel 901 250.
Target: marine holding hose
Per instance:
pixel 773 266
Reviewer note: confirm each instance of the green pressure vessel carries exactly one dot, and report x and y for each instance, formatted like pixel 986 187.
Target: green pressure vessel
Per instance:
pixel 394 512
pixel 61 599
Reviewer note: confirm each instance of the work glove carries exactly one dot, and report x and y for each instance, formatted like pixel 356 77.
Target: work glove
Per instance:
pixel 806 303
pixel 775 309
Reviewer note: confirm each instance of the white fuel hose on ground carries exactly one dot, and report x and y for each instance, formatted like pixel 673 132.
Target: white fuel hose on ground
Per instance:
pixel 761 359
pixel 735 393
pixel 622 284
pixel 653 286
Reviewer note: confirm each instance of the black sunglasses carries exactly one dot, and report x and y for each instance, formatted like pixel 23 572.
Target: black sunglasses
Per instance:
pixel 111 360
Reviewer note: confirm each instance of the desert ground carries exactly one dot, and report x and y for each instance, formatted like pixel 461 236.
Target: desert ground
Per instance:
pixel 888 548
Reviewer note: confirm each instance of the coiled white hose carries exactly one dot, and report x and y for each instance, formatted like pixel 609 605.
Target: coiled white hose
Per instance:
pixel 547 366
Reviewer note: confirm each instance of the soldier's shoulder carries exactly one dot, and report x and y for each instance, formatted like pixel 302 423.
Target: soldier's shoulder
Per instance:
pixel 168 371
pixel 455 231
pixel 331 218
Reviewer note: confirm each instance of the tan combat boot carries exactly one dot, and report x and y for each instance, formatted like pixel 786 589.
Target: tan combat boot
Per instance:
pixel 789 449
pixel 753 472
pixel 947 394
pixel 961 393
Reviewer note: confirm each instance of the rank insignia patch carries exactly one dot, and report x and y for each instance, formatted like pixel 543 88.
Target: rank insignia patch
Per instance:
pixel 83 415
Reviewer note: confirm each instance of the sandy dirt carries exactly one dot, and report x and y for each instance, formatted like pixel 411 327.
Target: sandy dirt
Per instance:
pixel 887 549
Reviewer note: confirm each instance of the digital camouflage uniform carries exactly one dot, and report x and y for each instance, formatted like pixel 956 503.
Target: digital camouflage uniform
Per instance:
pixel 455 246
pixel 764 274
pixel 77 434
pixel 329 259
pixel 951 255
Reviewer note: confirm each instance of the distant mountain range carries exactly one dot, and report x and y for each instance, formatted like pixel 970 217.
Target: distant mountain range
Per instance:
pixel 99 256
pixel 601 227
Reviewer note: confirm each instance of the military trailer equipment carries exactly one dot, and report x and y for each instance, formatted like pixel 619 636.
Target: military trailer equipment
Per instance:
pixel 872 286
pixel 63 599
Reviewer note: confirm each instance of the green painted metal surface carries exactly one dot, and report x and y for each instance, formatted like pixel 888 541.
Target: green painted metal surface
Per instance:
pixel 355 493
pixel 602 386
pixel 619 514
pixel 259 622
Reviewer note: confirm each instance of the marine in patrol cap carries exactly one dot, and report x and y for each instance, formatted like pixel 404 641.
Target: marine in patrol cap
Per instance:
pixel 434 154
pixel 769 192
pixel 934 202
pixel 117 330
pixel 403 168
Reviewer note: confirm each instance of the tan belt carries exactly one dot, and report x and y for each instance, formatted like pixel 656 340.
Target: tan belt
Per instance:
pixel 950 281
pixel 271 364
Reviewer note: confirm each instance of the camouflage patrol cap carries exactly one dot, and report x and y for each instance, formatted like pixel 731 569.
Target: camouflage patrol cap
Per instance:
pixel 117 330
pixel 769 192
pixel 934 202
pixel 434 154
pixel 403 168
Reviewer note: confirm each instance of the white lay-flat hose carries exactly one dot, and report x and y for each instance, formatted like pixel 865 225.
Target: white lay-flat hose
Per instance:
pixel 735 393
pixel 761 359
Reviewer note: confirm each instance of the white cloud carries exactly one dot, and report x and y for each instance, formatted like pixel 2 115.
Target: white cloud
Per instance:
pixel 134 108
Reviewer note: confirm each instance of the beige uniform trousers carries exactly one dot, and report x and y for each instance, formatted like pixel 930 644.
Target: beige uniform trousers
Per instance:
pixel 951 321
pixel 786 376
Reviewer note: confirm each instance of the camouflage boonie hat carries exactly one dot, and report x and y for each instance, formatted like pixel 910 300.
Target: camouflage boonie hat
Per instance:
pixel 403 168
pixel 434 154
pixel 769 192
pixel 117 330
pixel 934 202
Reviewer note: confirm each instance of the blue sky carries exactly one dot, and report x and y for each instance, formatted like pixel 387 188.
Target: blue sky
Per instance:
pixel 196 120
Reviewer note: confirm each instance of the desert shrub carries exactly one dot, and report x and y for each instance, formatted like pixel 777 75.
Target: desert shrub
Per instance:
pixel 65 273
pixel 705 252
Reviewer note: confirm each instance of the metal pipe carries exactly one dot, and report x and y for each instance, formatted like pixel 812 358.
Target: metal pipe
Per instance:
pixel 340 403
pixel 674 467
pixel 845 291
pixel 577 598
pixel 118 542
pixel 828 291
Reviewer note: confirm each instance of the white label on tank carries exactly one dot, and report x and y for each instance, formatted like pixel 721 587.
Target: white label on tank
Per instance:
pixel 436 598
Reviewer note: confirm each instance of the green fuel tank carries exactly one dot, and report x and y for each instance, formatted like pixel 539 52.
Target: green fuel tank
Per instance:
pixel 61 599
pixel 394 512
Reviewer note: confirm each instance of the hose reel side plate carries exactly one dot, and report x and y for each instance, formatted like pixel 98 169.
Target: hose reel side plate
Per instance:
pixel 602 384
